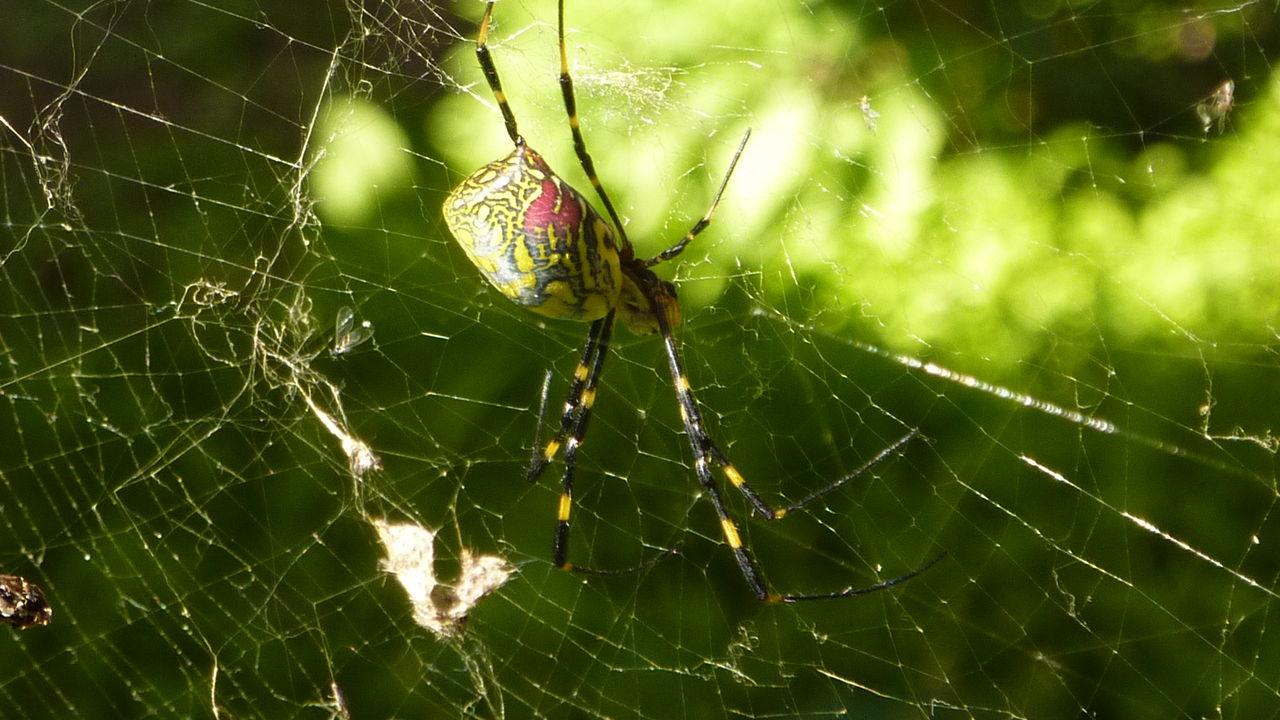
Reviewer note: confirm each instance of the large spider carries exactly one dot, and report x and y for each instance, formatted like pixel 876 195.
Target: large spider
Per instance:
pixel 540 243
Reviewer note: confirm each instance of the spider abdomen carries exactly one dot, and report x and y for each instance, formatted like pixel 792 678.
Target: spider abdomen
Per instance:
pixel 535 238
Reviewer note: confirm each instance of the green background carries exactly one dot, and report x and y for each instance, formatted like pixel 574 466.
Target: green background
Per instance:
pixel 1028 249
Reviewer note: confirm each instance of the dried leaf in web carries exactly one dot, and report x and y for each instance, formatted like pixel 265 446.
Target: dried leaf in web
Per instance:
pixel 438 607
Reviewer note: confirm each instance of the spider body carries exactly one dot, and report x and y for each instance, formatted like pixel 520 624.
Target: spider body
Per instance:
pixel 535 238
pixel 539 242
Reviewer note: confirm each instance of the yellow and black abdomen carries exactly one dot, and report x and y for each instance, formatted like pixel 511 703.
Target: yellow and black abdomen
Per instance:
pixel 535 238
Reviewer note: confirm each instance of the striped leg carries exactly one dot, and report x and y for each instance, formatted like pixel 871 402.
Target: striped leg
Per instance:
pixel 746 563
pixel 702 224
pixel 585 378
pixel 581 417
pixel 579 143
pixel 574 421
pixel 491 76
pixel 705 452
pixel 702 457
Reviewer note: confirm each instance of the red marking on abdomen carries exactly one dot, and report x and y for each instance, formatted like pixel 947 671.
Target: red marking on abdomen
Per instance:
pixel 543 215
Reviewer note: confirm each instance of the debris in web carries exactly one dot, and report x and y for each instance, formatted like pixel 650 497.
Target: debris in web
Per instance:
pixel 277 345
pixel 347 335
pixel 1214 109
pixel 339 704
pixel 438 607
pixel 360 457
pixel 22 603
pixel 869 114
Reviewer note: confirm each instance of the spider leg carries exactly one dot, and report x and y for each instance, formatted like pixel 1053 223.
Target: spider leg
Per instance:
pixel 560 548
pixel 574 421
pixel 705 452
pixel 491 76
pixel 579 143
pixel 854 592
pixel 704 446
pixel 762 506
pixel 585 377
pixel 822 492
pixel 702 224
pixel 702 464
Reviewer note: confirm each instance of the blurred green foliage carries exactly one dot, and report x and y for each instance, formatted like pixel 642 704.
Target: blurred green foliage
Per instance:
pixel 966 207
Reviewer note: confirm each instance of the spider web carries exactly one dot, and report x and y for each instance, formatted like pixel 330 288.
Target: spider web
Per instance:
pixel 241 353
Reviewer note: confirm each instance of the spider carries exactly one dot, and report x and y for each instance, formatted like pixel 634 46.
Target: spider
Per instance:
pixel 540 243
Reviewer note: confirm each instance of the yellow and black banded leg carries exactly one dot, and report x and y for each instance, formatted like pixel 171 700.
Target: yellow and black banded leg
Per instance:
pixel 747 564
pixel 579 143
pixel 580 417
pixel 575 419
pixel 702 224
pixel 705 447
pixel 560 548
pixel 763 507
pixel 585 378
pixel 491 76
pixel 696 429
pixel 751 570
pixel 705 452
